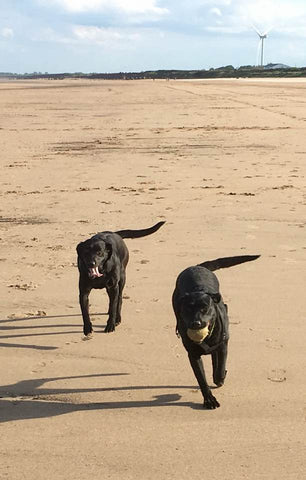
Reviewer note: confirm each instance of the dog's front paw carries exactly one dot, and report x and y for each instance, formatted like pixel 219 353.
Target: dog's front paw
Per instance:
pixel 87 329
pixel 210 402
pixel 219 380
pixel 87 337
pixel 219 383
pixel 110 327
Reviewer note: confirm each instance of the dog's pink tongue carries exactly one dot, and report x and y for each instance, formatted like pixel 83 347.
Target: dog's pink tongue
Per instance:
pixel 94 272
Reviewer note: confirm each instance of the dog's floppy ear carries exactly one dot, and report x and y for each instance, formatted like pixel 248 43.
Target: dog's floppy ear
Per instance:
pixel 216 297
pixel 79 248
pixel 184 298
pixel 109 249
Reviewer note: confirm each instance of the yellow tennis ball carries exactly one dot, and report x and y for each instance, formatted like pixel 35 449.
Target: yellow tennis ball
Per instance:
pixel 197 336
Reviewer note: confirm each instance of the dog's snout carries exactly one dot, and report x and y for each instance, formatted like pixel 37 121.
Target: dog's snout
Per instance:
pixel 196 324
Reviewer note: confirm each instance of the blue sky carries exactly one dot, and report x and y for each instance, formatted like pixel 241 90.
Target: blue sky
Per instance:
pixel 135 35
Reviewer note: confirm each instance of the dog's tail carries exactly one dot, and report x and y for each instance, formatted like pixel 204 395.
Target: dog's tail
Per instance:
pixel 139 233
pixel 227 262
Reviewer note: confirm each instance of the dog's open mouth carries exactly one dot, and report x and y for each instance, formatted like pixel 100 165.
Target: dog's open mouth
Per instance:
pixel 94 272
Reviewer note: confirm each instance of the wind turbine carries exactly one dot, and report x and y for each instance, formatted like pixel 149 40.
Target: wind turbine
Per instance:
pixel 262 37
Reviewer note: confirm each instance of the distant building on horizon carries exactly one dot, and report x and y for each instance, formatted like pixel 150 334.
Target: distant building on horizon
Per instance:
pixel 275 66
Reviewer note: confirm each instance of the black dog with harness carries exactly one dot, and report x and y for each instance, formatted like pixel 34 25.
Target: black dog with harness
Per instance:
pixel 202 320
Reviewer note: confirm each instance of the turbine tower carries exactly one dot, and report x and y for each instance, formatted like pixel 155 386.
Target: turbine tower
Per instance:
pixel 262 37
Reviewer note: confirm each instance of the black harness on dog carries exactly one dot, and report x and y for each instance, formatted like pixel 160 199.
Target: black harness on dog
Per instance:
pixel 220 318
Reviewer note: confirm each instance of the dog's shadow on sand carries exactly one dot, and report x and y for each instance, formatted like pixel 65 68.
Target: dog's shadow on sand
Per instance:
pixel 29 400
pixel 32 326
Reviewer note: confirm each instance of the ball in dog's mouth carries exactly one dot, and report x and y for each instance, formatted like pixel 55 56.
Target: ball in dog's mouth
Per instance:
pixel 197 336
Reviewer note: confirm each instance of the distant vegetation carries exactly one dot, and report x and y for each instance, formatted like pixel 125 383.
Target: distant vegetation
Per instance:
pixel 245 71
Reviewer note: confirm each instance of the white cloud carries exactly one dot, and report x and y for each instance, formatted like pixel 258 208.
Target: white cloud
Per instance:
pixel 267 14
pixel 216 11
pixel 127 6
pixel 287 17
pixel 81 35
pixel 49 35
pixel 96 35
pixel 7 32
pixel 265 11
pixel 80 5
pixel 236 15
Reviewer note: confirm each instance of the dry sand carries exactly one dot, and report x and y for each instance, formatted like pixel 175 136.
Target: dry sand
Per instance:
pixel 224 164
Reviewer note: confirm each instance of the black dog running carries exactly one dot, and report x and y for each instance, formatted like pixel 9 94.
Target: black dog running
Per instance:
pixel 102 261
pixel 202 320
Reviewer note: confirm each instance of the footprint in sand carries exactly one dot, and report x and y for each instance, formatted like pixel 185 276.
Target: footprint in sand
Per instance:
pixel 277 375
pixel 23 286
pixel 270 343
pixel 288 248
pixel 39 367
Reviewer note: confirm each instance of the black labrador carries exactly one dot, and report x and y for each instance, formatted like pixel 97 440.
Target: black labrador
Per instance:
pixel 202 320
pixel 102 261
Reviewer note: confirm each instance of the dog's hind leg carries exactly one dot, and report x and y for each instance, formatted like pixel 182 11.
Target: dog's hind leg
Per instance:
pixel 219 364
pixel 214 360
pixel 210 402
pixel 119 304
pixel 176 312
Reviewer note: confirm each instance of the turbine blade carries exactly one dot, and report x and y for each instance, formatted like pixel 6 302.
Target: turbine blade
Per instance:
pixel 268 31
pixel 256 30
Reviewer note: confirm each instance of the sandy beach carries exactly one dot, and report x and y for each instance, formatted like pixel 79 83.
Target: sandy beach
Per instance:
pixel 224 164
